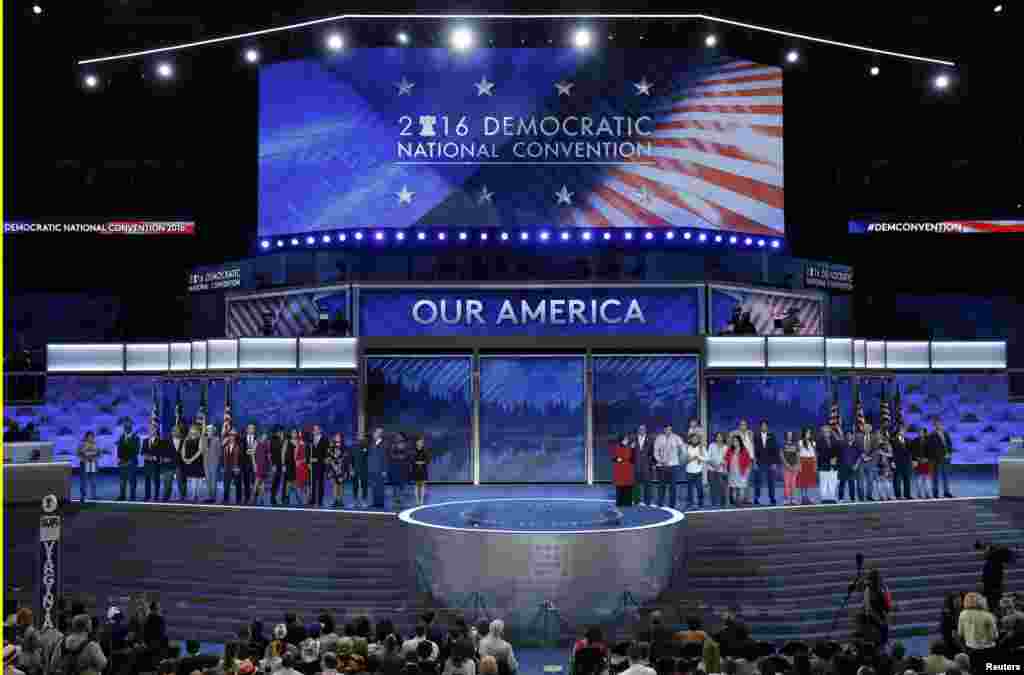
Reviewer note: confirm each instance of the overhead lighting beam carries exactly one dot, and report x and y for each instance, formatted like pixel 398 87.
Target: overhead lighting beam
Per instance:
pixel 513 17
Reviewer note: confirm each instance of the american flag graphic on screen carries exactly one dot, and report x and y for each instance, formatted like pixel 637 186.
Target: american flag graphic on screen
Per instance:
pixel 294 314
pixel 406 138
pixel 897 405
pixel 883 413
pixel 834 420
pixel 179 409
pixel 154 416
pixel 765 309
pixel 204 408
pixel 228 420
pixel 859 414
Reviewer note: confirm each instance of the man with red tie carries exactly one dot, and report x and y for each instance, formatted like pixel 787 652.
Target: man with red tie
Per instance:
pixel 318 458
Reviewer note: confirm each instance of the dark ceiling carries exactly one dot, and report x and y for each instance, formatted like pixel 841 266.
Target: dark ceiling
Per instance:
pixel 853 143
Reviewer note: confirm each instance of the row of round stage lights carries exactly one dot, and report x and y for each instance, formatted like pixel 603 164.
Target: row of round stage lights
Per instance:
pixel 463 38
pixel 543 237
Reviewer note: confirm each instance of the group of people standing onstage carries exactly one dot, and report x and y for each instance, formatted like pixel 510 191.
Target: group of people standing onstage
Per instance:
pixel 284 467
pixel 736 468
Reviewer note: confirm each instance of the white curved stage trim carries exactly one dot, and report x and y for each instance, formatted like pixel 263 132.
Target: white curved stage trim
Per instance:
pixel 501 570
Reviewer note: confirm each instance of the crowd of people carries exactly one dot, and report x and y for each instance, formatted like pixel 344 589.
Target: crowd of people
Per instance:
pixel 737 467
pixel 971 638
pixel 277 466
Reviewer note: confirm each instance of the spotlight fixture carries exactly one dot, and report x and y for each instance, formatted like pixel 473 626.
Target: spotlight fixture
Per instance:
pixel 524 236
pixel 441 236
pixel 732 240
pixel 91 81
pixel 544 236
pixel 335 42
pixel 586 236
pixel 326 239
pixel 941 81
pixel 165 70
pixel 252 55
pixel 400 236
pixel 504 236
pixel 874 71
pixel 607 236
pixel 421 236
pixel 702 237
pixel 310 240
pixel 379 236
pixel 687 236
pixel 280 243
pixel 775 244
pixel 760 243
pixel 582 38
pixel 711 40
pixel 670 235
pixel 483 236
pixel 792 56
pixel 342 237
pixel 565 236
pixel 37 10
pixel 264 244
pixel 462 38
pixel 718 239
pixel 997 9
pixel 629 236
pixel 295 242
pixel 463 236
pixel 648 236
pixel 748 241
pixel 359 236
pixel 403 38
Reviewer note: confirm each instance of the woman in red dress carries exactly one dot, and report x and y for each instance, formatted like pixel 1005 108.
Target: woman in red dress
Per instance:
pixel 623 475
pixel 301 468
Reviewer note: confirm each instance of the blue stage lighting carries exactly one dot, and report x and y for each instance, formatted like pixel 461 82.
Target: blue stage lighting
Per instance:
pixel 525 236
pixel 441 236
pixel 295 242
pixel 687 236
pixel 586 236
pixel 648 236
pixel 565 236
pixel 702 237
pixel 483 236
pixel 400 236
pixel 342 237
pixel 379 236
pixel 732 240
pixel 718 239
pixel 775 244
pixel 327 239
pixel 504 236
pixel 760 243
pixel 310 240
pixel 264 244
pixel 629 236
pixel 359 236
pixel 748 241
pixel 280 243
pixel 544 236
pixel 463 236
pixel 670 235
pixel 607 236
pixel 421 236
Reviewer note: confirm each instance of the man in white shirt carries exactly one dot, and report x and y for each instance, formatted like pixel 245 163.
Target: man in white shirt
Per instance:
pixel 695 462
pixel 668 448
pixel 639 660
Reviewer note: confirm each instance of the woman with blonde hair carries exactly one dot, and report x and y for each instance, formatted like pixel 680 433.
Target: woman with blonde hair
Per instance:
pixel 192 461
pixel 976 627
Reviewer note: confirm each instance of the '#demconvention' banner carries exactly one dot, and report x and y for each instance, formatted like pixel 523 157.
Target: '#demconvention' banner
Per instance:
pixel 398 137
pixel 565 310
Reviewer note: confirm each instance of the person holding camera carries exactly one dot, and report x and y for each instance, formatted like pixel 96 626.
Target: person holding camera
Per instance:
pixel 940 452
pixel 993 572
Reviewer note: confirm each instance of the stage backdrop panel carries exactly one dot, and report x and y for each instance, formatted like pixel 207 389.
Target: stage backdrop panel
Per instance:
pixel 191 395
pixel 531 419
pixel 291 314
pixel 788 403
pixel 425 395
pixel 420 137
pixel 76 404
pixel 296 402
pixel 765 307
pixel 538 311
pixel 632 390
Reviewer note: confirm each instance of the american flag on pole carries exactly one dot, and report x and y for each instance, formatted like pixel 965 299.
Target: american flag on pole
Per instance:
pixel 228 421
pixel 834 419
pixel 897 405
pixel 154 415
pixel 204 409
pixel 883 414
pixel 859 414
pixel 179 409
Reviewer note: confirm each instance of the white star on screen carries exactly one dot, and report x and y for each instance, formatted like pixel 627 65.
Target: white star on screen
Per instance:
pixel 564 196
pixel 563 88
pixel 405 87
pixel 643 87
pixel 486 196
pixel 404 197
pixel 484 88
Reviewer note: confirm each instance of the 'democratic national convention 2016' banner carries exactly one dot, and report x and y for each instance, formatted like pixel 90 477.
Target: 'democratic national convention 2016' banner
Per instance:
pixel 399 137
pixel 538 311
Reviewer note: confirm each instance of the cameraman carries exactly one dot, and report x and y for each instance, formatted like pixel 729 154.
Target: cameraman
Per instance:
pixel 994 571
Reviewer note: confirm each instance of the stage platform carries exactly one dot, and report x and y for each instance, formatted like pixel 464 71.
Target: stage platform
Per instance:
pixel 786 568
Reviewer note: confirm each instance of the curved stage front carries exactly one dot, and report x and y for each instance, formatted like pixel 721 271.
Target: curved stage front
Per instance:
pixel 538 561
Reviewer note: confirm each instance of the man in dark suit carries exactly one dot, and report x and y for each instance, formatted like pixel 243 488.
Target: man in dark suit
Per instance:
pixel 128 459
pixel 376 452
pixel 828 464
pixel 247 461
pixel 766 454
pixel 940 452
pixel 277 460
pixel 152 452
pixel 318 458
pixel 643 462
pixel 901 460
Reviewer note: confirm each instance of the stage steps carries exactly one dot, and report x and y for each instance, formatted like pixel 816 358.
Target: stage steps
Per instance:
pixel 787 569
pixel 215 569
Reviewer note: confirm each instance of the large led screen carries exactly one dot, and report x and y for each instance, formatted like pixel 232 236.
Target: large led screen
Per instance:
pixel 532 419
pixel 403 137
